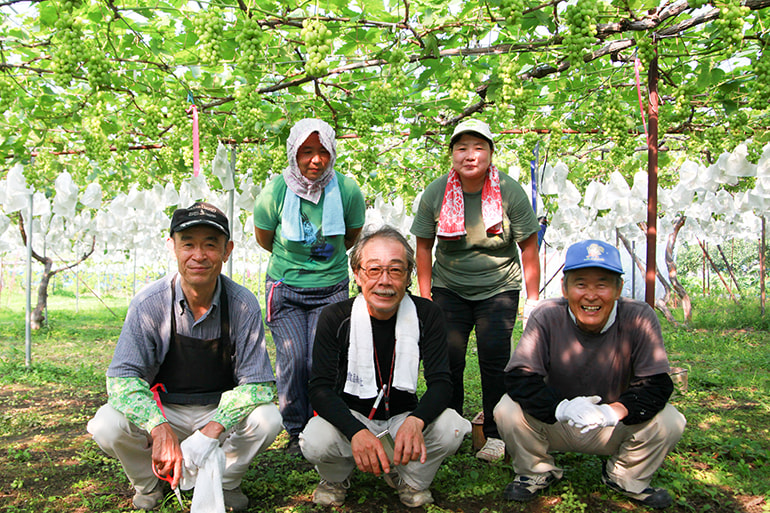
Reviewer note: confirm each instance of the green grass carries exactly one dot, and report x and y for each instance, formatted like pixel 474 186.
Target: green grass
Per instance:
pixel 49 463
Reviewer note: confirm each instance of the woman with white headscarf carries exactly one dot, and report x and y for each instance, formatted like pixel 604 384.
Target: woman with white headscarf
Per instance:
pixel 308 217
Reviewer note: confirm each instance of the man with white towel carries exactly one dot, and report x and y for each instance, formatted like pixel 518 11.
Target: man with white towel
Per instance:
pixel 366 357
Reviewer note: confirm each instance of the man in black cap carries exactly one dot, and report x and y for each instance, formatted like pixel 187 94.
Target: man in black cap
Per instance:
pixel 191 365
pixel 590 375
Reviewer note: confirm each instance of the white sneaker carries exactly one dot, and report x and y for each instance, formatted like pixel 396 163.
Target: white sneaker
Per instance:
pixel 493 450
pixel 410 497
pixel 330 494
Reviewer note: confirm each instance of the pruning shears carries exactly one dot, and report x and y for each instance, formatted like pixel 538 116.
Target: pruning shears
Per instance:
pixel 168 478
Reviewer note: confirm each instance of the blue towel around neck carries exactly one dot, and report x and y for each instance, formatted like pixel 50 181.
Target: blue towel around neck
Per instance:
pixel 333 220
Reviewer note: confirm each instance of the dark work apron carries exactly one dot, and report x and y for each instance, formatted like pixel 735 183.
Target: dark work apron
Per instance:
pixel 195 370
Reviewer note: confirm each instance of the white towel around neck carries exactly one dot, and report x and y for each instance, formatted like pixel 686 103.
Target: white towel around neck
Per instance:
pixel 361 380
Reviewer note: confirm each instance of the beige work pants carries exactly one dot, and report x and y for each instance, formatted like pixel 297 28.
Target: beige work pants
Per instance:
pixel 121 439
pixel 635 451
pixel 329 450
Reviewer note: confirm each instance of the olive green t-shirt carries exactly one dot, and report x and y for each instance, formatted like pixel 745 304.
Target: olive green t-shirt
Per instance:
pixel 478 265
pixel 320 261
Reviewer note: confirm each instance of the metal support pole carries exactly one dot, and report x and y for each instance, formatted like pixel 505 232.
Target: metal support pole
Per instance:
pixel 231 207
pixel 652 181
pixel 28 327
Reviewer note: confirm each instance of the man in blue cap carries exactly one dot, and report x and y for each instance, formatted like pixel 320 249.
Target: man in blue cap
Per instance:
pixel 590 375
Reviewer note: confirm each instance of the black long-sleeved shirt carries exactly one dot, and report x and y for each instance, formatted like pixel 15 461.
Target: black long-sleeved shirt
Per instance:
pixel 330 364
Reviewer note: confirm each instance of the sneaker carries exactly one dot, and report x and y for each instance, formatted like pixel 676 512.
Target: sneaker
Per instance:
pixel 292 447
pixel 525 488
pixel 149 501
pixel 330 494
pixel 657 498
pixel 409 496
pixel 493 450
pixel 235 499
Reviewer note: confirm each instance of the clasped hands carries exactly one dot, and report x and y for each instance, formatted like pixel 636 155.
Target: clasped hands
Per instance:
pixel 585 413
pixel 409 444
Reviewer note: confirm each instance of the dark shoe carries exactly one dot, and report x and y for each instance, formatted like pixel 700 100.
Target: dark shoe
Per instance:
pixel 657 498
pixel 525 488
pixel 149 501
pixel 292 448
pixel 235 499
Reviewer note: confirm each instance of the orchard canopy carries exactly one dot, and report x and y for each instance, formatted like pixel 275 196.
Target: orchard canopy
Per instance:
pixel 101 94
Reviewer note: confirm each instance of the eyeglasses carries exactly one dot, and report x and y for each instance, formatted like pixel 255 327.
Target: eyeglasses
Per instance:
pixel 395 272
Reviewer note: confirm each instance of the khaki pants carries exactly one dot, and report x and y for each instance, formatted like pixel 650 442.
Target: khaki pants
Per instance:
pixel 635 451
pixel 329 450
pixel 121 439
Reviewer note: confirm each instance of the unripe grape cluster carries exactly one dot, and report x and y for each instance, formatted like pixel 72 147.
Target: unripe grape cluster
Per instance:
pixel 95 141
pixel 581 20
pixel 646 50
pixel 760 98
pixel 249 43
pixel 730 21
pixel 69 48
pixel 381 99
pixel 461 83
pixel 6 94
pixel 524 151
pixel 715 138
pixel 614 119
pixel 153 117
pixel 512 11
pixel 209 25
pixel 397 60
pixel 98 69
pixel 248 111
pixel 318 41
pixel 682 109
pixel 513 94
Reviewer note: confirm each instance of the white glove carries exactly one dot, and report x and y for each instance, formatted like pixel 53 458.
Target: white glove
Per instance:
pixel 592 416
pixel 529 306
pixel 196 448
pixel 571 410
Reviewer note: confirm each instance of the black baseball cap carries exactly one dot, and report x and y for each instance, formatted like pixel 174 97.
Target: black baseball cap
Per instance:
pixel 200 213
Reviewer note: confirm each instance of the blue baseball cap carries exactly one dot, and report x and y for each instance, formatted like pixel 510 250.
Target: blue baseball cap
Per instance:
pixel 593 253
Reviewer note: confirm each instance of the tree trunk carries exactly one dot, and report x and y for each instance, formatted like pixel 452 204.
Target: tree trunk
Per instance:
pixel 38 314
pixel 672 274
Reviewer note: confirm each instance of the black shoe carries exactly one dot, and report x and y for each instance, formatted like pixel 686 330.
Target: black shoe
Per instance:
pixel 292 448
pixel 525 488
pixel 657 498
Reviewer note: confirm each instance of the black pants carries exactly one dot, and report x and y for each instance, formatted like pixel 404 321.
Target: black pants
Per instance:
pixel 493 319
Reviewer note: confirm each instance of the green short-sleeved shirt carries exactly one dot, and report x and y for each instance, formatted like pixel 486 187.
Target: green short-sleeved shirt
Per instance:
pixel 321 262
pixel 477 265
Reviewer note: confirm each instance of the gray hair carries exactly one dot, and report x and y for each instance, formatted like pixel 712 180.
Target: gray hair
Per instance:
pixel 384 232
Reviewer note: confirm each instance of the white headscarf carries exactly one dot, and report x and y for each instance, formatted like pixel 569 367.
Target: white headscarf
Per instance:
pixel 308 189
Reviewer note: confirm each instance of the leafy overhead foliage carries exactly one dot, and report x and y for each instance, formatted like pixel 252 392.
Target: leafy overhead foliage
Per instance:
pixel 107 78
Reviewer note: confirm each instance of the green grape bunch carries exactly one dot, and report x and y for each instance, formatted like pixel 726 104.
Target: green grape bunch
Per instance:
pixel 248 111
pixel 397 60
pixel 318 40
pixel 68 49
pixel 512 11
pixel 249 43
pixel 99 69
pixel 760 94
pixel 209 25
pixel 581 20
pixel 7 94
pixel 730 21
pixel 461 83
pixel 615 120
pixel 95 141
pixel 153 117
pixel 646 50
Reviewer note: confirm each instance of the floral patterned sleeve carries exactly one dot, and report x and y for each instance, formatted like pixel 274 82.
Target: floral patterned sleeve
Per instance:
pixel 132 398
pixel 237 403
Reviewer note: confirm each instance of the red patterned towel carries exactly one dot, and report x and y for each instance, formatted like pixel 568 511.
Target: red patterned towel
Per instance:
pixel 451 219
